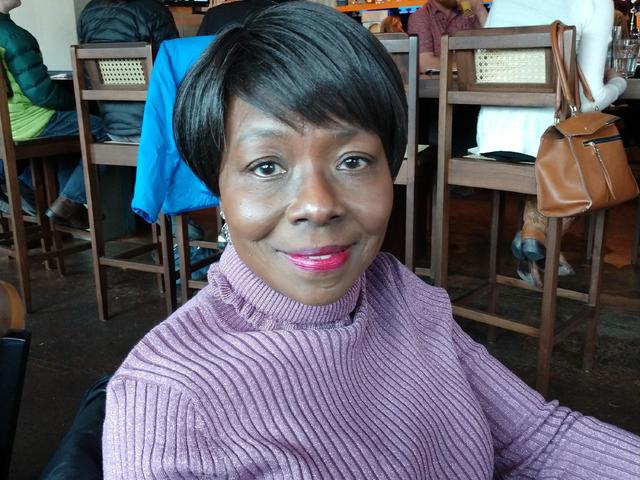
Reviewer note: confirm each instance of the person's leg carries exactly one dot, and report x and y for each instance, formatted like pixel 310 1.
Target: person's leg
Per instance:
pixel 529 245
pixel 27 195
pixel 68 208
pixel 65 122
pixel 124 138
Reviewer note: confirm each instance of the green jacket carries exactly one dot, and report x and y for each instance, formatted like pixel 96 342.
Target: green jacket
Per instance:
pixel 35 96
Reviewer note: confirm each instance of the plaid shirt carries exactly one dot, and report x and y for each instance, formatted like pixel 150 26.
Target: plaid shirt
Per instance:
pixel 431 22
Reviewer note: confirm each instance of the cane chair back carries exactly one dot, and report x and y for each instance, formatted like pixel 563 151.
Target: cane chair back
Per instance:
pixel 119 73
pixel 489 63
pixel 16 237
pixel 404 52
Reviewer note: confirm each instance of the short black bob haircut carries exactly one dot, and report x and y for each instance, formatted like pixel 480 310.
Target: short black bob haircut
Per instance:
pixel 294 61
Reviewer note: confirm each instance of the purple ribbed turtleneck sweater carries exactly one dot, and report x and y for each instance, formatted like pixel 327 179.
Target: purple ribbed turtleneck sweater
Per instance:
pixel 243 382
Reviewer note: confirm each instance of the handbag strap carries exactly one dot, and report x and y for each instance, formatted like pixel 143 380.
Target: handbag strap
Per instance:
pixel 571 95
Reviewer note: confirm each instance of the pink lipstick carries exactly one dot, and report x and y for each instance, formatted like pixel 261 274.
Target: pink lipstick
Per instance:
pixel 320 259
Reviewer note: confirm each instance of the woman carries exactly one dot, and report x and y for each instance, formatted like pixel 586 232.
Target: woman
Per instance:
pixel 391 24
pixel 310 354
pixel 593 20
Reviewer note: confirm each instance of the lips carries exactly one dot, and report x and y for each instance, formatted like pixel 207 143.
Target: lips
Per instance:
pixel 322 259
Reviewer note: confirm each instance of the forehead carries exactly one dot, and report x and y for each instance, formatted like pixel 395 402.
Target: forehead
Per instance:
pixel 246 122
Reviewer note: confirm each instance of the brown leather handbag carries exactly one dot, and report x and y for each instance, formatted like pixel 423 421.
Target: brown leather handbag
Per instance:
pixel 581 164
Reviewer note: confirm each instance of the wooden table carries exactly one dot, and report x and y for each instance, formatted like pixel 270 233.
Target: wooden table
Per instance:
pixel 429 87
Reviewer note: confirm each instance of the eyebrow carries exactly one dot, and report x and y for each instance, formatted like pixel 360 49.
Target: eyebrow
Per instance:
pixel 257 133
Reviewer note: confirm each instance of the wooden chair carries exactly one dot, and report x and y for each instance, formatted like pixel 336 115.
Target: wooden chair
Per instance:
pixel 635 245
pixel 116 72
pixel 188 285
pixel 17 240
pixel 471 87
pixel 412 175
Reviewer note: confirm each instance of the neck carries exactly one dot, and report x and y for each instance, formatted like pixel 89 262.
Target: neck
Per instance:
pixel 443 8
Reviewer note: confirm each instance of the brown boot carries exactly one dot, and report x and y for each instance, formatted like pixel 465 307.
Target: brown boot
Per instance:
pixel 67 212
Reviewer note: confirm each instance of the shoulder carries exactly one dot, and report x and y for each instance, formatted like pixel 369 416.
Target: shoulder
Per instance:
pixel 15 38
pixel 422 13
pixel 174 353
pixel 151 8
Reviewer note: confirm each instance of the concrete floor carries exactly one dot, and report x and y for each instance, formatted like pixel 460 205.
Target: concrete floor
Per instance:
pixel 71 348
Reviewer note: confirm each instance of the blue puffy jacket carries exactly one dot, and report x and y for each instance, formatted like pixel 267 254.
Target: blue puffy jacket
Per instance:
pixel 163 181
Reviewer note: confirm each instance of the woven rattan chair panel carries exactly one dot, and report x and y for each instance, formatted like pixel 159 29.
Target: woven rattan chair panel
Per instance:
pixel 510 66
pixel 122 71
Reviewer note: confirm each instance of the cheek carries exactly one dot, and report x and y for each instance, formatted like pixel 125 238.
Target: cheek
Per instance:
pixel 250 217
pixel 375 206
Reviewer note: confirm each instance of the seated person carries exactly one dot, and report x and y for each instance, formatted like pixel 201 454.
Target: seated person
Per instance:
pixel 439 17
pixel 231 12
pixel 310 354
pixel 113 21
pixel 38 107
pixel 391 24
pixel 593 20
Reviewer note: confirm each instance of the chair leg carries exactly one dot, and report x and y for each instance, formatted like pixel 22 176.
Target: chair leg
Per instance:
pixel 169 275
pixel 37 176
pixel 409 231
pixel 19 234
pixel 97 238
pixel 155 228
pixel 589 232
pixel 182 239
pixel 548 314
pixel 440 236
pixel 496 206
pixel 594 290
pixel 51 195
pixel 636 237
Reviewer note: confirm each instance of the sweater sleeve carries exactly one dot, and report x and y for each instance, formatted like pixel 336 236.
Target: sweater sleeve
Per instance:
pixel 592 56
pixel 24 61
pixel 538 439
pixel 153 431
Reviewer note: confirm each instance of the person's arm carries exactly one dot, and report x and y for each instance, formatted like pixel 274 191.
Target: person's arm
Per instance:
pixel 481 13
pixel 537 439
pixel 592 56
pixel 28 70
pixel 153 431
pixel 428 61
pixel 420 27
pixel 164 28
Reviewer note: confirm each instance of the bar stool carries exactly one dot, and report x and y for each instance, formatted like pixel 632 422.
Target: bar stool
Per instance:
pixel 482 49
pixel 419 160
pixel 16 238
pixel 117 72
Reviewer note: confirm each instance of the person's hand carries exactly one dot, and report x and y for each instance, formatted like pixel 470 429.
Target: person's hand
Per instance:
pixel 478 8
pixel 609 74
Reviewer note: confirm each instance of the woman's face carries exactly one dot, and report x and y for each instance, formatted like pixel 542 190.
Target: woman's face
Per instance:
pixel 307 210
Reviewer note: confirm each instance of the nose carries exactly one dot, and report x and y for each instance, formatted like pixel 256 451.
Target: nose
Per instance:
pixel 317 200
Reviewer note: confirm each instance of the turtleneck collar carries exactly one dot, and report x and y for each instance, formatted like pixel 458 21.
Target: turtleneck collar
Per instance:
pixel 264 308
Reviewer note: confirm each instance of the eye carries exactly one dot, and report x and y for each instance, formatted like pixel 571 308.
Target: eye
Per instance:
pixel 353 163
pixel 267 168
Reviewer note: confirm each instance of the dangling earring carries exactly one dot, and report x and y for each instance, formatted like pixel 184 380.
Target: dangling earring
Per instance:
pixel 224 237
